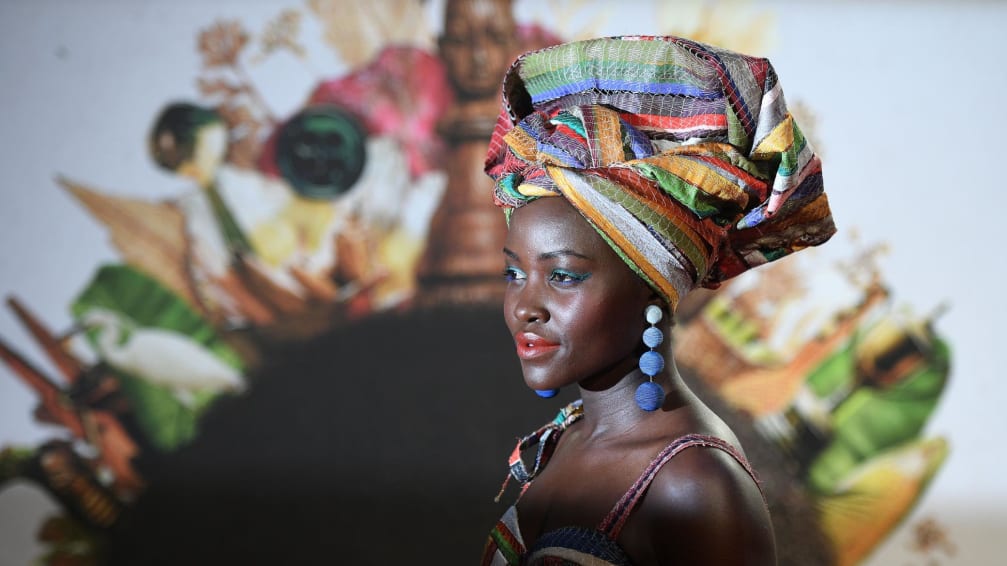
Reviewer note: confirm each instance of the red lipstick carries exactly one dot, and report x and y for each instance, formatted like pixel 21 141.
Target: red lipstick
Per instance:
pixel 530 346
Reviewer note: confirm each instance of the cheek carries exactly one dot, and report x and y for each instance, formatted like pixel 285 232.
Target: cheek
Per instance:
pixel 618 326
pixel 602 325
pixel 508 311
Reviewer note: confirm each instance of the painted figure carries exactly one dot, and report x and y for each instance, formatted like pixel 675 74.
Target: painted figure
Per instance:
pixel 679 166
pixel 479 41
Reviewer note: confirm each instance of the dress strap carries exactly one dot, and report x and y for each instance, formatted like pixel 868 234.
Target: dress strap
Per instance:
pixel 616 519
pixel 546 438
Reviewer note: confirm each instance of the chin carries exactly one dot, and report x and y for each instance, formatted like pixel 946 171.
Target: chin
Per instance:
pixel 540 378
pixel 535 380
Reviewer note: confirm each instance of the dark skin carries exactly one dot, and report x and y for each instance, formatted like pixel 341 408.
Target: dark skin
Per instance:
pixel 569 289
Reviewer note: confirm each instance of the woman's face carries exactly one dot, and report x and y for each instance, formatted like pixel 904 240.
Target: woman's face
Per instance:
pixel 574 308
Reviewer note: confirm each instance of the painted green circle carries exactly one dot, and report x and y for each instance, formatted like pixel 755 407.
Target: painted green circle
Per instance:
pixel 321 152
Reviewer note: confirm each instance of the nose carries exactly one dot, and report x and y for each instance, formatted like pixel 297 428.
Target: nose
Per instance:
pixel 480 51
pixel 529 308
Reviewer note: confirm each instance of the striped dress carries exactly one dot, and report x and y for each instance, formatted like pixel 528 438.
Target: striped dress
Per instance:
pixel 578 545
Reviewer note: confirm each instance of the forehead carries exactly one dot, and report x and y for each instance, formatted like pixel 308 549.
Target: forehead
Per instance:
pixel 550 224
pixel 471 13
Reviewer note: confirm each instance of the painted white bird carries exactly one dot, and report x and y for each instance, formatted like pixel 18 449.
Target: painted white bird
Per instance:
pixel 163 357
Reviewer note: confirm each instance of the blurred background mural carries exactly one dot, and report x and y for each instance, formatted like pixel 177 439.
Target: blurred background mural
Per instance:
pixel 251 272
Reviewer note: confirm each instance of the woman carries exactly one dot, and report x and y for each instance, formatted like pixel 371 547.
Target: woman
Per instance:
pixel 678 166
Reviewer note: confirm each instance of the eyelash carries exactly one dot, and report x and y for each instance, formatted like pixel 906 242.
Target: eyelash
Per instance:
pixel 564 277
pixel 513 274
pixel 558 276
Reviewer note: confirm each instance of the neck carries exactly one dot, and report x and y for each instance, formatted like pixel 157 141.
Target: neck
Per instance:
pixel 612 411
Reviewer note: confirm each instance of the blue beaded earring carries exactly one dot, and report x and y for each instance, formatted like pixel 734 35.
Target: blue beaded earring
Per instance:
pixel 546 393
pixel 650 396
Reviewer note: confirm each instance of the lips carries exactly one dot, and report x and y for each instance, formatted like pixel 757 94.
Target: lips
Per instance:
pixel 531 346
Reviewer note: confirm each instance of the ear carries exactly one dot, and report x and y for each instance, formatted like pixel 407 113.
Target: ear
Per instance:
pixel 654 299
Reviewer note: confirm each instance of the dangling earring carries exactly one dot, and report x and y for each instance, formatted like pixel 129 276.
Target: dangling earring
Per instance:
pixel 650 396
pixel 546 393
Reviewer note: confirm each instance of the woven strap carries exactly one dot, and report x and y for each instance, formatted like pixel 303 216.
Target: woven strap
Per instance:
pixel 616 519
pixel 546 438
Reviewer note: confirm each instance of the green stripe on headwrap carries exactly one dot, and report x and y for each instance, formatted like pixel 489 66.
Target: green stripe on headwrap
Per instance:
pixel 703 204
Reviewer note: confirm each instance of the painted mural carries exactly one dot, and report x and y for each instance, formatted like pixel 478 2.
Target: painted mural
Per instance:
pixel 351 207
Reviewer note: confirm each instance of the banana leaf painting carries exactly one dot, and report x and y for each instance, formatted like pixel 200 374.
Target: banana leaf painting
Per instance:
pixel 169 361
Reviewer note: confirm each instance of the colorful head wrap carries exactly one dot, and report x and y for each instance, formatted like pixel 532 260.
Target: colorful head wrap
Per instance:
pixel 681 155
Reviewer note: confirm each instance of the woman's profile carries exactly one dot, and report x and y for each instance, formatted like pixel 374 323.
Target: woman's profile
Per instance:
pixel 632 170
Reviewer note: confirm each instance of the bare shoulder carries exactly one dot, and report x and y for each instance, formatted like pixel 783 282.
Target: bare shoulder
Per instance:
pixel 704 508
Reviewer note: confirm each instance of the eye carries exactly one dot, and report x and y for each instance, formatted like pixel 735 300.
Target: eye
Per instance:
pixel 564 277
pixel 511 273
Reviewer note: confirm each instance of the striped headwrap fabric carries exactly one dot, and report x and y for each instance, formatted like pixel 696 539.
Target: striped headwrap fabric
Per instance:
pixel 683 156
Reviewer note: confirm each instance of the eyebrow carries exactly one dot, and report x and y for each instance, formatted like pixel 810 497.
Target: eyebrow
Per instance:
pixel 550 255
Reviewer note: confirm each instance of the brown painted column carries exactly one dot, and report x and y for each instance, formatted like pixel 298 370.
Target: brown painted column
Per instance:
pixel 463 261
